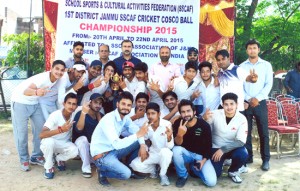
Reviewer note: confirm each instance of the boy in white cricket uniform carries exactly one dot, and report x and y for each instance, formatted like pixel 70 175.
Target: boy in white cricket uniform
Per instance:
pixel 56 136
pixel 161 136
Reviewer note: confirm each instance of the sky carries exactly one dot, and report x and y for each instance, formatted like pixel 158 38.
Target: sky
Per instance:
pixel 23 7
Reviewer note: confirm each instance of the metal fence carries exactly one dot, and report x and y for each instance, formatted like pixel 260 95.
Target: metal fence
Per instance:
pixel 8 86
pixel 10 78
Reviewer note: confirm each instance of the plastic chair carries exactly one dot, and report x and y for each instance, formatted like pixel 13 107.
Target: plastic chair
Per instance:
pixel 279 130
pixel 284 97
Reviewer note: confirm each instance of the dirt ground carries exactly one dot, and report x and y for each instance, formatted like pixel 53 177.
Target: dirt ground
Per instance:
pixel 284 175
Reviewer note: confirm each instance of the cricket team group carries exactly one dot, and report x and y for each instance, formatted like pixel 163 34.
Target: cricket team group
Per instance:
pixel 130 121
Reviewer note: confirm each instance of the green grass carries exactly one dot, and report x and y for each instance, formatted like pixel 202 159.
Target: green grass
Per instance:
pixel 4 115
pixel 5 122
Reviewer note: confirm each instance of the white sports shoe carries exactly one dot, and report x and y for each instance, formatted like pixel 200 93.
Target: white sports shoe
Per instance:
pixel 153 176
pixel 235 177
pixel 164 180
pixel 227 162
pixel 243 169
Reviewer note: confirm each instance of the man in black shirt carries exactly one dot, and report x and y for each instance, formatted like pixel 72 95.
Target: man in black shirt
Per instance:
pixel 193 144
pixel 86 121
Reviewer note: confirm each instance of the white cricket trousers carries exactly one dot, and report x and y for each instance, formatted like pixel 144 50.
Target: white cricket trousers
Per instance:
pixel 64 150
pixel 83 146
pixel 162 157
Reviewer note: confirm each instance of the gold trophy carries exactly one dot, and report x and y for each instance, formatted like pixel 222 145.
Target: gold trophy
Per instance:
pixel 115 79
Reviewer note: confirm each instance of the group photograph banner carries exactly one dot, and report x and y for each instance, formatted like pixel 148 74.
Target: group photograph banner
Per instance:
pixel 149 24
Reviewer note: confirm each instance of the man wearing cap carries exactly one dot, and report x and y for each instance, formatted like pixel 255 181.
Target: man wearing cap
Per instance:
pixel 192 56
pixel 71 81
pixel 86 121
pixel 126 47
pixel 94 82
pixel 130 82
pixel 77 55
pixel 164 69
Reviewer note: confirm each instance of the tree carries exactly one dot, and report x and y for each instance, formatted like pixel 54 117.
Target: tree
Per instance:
pixel 275 23
pixel 17 55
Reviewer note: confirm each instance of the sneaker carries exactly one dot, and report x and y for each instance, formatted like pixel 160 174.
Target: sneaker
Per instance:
pixel 61 165
pixel 49 173
pixel 86 174
pixel 103 180
pixel 227 162
pixel 181 182
pixel 25 166
pixel 235 177
pixel 37 160
pixel 243 169
pixel 137 177
pixel 153 175
pixel 164 180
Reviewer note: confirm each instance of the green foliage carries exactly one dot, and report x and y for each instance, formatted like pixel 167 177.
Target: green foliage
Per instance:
pixel 18 52
pixel 276 24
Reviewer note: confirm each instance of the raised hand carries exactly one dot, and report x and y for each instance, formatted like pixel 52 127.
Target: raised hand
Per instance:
pixel 182 128
pixel 171 86
pixel 122 83
pixel 140 113
pixel 208 114
pixel 79 83
pixel 143 130
pixel 216 80
pixel 253 75
pixel 66 127
pixel 169 133
pixel 42 91
pixel 86 107
pixel 107 77
pixel 196 94
pixel 98 82
pixel 154 85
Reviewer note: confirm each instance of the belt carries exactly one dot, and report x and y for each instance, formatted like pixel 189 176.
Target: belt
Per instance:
pixel 100 155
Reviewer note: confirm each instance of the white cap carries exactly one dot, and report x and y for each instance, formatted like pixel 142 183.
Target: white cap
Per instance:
pixel 79 67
